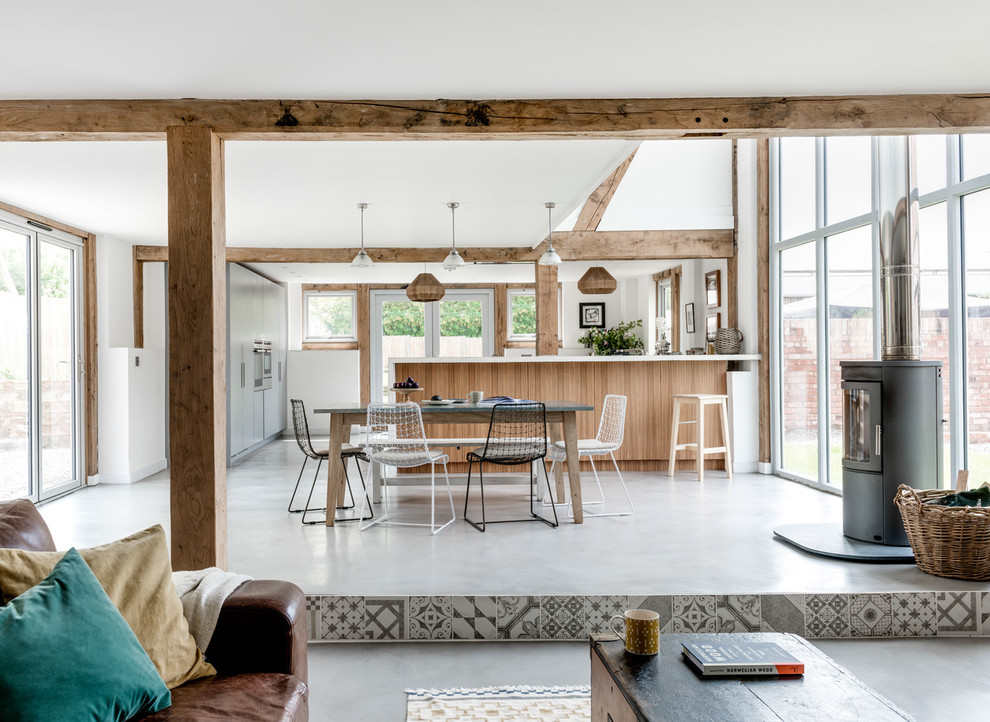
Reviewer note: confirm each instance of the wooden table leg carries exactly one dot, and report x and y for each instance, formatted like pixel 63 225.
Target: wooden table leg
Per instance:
pixel 558 470
pixel 335 472
pixel 573 465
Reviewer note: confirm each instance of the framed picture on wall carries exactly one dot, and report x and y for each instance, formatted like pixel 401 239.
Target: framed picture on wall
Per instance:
pixel 591 315
pixel 713 289
pixel 713 322
pixel 689 317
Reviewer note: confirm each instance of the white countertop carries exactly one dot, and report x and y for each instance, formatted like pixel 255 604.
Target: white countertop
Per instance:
pixel 579 359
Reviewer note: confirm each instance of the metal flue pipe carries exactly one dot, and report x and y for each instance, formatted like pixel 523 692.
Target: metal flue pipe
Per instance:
pixel 900 272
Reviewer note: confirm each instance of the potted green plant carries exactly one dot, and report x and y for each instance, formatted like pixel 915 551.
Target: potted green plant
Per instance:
pixel 611 341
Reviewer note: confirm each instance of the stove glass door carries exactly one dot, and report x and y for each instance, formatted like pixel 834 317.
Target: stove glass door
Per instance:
pixel 862 432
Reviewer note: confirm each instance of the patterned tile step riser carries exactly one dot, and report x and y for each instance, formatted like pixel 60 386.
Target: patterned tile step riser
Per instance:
pixel 814 616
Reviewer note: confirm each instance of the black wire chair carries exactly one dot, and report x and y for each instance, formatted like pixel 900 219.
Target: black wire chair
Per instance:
pixel 301 427
pixel 517 434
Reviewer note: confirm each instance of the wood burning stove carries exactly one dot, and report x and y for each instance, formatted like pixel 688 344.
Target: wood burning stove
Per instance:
pixel 891 435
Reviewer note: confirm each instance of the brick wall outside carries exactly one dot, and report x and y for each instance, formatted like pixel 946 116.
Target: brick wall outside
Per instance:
pixel 851 338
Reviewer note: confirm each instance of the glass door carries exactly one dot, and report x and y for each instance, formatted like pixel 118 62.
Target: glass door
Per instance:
pixel 40 364
pixel 398 330
pixel 459 325
pixel 15 381
pixel 58 367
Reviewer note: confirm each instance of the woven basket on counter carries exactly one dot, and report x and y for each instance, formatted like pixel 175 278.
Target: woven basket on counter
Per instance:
pixel 728 340
pixel 948 541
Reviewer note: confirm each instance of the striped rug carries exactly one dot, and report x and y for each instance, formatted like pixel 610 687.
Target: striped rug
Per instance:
pixel 487 704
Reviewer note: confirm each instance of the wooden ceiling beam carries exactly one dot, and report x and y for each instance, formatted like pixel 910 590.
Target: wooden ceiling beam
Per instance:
pixel 572 246
pixel 636 118
pixel 597 203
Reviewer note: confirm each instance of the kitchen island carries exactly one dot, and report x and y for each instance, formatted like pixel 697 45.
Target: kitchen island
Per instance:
pixel 648 382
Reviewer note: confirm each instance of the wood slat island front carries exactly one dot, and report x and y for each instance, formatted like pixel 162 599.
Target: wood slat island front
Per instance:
pixel 649 382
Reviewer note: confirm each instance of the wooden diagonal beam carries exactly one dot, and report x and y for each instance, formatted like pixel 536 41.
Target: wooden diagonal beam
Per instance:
pixel 597 203
pixel 636 118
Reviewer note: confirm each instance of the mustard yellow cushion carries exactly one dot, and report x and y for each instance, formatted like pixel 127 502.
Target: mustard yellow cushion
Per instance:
pixel 136 574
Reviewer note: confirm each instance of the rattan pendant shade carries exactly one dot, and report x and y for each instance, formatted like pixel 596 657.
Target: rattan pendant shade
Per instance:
pixel 425 288
pixel 596 281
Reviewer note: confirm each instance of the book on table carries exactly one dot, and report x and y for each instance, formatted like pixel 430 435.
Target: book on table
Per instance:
pixel 726 659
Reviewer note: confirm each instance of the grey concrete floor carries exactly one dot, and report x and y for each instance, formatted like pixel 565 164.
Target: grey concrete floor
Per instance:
pixel 932 680
pixel 685 538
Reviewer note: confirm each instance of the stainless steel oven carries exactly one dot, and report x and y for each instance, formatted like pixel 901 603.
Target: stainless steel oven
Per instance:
pixel 262 365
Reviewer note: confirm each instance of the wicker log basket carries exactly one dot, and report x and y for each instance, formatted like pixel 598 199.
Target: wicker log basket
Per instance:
pixel 947 541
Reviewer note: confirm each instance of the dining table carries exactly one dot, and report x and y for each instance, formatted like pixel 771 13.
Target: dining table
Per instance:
pixel 561 421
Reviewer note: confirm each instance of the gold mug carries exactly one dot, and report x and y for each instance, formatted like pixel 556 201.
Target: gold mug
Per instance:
pixel 642 635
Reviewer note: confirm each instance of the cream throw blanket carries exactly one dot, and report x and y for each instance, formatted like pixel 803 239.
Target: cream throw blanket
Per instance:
pixel 203 593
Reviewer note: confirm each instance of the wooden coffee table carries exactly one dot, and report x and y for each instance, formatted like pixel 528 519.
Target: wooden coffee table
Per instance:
pixel 627 688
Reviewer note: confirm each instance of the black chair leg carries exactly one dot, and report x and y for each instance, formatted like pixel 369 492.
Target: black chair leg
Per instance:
pixel 532 496
pixel 309 498
pixel 467 495
pixel 298 479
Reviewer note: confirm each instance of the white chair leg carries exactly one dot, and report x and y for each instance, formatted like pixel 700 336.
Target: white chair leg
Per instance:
pixel 384 516
pixel 622 482
pixel 433 500
pixel 559 502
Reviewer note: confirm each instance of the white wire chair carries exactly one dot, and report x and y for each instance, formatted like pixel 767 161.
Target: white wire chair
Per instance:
pixel 611 429
pixel 396 437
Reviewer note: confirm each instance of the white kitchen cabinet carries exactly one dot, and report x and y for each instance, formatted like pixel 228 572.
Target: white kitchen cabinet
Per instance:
pixel 256 311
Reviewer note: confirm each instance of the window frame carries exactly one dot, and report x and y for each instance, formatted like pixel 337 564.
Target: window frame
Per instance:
pixel 510 295
pixel 307 295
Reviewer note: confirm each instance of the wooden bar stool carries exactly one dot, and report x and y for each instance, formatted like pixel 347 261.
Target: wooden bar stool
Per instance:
pixel 700 401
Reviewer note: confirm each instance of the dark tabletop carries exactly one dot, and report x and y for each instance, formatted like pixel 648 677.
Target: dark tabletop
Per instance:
pixel 665 687
pixel 465 406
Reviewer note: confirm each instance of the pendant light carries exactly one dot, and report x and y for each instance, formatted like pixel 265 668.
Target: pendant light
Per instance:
pixel 425 288
pixel 597 281
pixel 550 258
pixel 362 259
pixel 453 261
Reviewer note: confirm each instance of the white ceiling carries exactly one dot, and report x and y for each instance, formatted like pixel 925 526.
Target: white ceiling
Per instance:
pixel 507 49
pixel 304 194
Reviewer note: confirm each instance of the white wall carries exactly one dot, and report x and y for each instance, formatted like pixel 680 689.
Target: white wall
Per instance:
pixel 321 378
pixel 131 414
pixel 155 322
pixel 114 293
pixel 747 285
pixel 132 403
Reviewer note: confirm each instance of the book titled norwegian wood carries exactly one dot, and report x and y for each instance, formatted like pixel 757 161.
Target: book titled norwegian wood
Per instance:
pixel 765 659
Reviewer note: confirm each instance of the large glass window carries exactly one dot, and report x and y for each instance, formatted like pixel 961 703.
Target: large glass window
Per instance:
pixel 797 186
pixel 930 162
pixel 850 323
pixel 799 361
pixel 848 186
pixel 826 281
pixel 976 239
pixel 975 156
pixel 934 262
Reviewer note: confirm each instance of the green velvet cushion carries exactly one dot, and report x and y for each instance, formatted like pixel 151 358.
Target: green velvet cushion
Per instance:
pixel 67 654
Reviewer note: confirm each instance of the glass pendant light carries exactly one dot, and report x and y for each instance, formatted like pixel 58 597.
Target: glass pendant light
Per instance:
pixel 362 259
pixel 453 261
pixel 551 257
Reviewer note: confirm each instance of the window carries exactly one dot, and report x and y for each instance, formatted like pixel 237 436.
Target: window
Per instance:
pixel 826 290
pixel 521 315
pixel 329 315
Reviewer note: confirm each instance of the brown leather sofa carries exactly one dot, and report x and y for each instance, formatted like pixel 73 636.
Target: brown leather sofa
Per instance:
pixel 258 648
